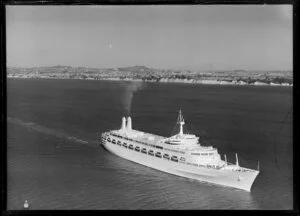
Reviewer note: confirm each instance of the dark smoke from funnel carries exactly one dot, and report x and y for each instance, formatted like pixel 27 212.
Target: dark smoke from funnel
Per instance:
pixel 130 89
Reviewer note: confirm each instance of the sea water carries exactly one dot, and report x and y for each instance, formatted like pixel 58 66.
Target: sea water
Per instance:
pixel 55 161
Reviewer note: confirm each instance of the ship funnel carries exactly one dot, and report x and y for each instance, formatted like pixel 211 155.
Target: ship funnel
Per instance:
pixel 129 124
pixel 123 127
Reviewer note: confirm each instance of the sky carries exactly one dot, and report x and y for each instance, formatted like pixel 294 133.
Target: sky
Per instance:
pixel 204 37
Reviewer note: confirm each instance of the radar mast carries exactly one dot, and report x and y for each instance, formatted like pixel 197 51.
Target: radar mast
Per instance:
pixel 181 122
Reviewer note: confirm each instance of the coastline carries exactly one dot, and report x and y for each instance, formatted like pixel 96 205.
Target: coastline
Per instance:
pixel 166 80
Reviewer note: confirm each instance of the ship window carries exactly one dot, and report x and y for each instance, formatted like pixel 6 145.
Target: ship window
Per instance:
pixel 114 141
pixel 119 143
pixel 144 150
pixel 158 154
pixel 125 145
pixel 174 158
pixel 137 149
pixel 130 146
pixel 211 153
pixel 159 147
pixel 182 159
pixel 166 156
pixel 195 153
pixel 108 139
pixel 151 152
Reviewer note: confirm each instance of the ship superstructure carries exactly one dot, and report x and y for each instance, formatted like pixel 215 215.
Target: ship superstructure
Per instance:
pixel 181 154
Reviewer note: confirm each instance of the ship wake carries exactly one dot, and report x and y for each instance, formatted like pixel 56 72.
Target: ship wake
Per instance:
pixel 45 130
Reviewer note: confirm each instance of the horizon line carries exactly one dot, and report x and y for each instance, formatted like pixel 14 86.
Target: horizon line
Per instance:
pixel 179 68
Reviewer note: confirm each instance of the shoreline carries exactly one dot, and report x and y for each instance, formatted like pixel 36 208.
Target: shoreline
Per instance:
pixel 168 80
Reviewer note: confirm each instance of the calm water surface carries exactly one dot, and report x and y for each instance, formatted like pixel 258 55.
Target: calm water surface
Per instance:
pixel 55 161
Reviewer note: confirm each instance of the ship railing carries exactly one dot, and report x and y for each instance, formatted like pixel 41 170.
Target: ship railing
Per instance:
pixel 213 166
pixel 201 165
pixel 173 150
pixel 238 169
pixel 217 167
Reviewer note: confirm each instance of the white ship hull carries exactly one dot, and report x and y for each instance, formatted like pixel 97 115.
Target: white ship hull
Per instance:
pixel 223 177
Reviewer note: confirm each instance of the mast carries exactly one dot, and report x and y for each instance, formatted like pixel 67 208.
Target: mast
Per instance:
pixel 181 122
pixel 225 159
pixel 237 160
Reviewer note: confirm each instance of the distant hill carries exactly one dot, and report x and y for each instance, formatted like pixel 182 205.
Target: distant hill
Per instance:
pixel 136 69
pixel 59 66
pixel 239 70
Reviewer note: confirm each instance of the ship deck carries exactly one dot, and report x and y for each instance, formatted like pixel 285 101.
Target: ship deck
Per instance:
pixel 140 136
pixel 156 139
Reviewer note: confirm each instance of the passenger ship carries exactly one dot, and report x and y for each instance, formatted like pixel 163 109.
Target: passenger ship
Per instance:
pixel 181 155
